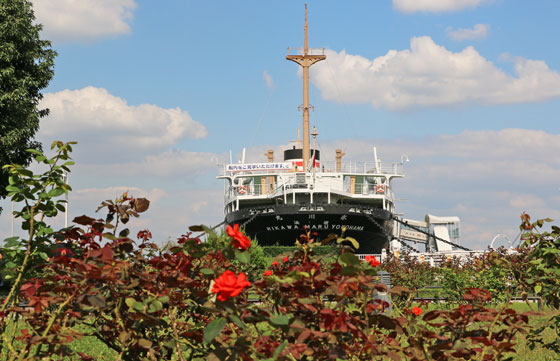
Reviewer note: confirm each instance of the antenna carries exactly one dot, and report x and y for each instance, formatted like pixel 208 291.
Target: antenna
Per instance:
pixel 305 61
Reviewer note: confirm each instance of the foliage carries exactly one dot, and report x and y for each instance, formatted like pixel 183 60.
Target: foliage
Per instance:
pixel 39 193
pixel 543 272
pixel 26 67
pixel 497 271
pixel 190 301
pixel 319 250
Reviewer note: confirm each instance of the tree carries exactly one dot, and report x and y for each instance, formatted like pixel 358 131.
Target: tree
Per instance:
pixel 26 67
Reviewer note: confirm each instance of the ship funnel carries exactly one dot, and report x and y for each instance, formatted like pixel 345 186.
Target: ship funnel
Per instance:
pixel 339 156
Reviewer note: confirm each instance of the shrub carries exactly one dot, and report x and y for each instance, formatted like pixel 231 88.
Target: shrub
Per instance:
pixel 190 300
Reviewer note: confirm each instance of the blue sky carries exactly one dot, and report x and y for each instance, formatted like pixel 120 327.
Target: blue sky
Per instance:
pixel 157 92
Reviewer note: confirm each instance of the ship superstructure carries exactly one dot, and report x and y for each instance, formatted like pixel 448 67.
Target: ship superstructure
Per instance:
pixel 277 200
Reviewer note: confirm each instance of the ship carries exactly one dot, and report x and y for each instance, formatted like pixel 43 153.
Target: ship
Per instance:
pixel 275 201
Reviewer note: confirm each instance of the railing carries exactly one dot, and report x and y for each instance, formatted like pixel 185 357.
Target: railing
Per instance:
pixel 310 51
pixel 367 189
pixel 363 189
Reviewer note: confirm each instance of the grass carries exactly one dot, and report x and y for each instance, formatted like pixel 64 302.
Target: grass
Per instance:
pixel 91 346
pixel 539 353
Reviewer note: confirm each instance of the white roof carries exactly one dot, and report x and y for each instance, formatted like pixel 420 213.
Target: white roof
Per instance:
pixel 441 220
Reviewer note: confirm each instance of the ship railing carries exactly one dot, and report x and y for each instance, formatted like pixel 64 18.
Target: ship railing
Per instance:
pixel 290 186
pixel 310 51
pixel 249 190
pixel 363 168
pixel 367 189
pixel 431 258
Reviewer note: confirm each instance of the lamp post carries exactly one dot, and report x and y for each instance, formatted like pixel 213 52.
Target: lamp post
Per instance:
pixel 12 224
pixel 65 176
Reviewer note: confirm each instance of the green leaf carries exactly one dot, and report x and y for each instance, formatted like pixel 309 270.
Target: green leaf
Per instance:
pixel 237 321
pixel 34 151
pixel 11 242
pixel 280 320
pixel 538 289
pixel 124 233
pixel 213 329
pixel 26 172
pixel 138 306
pixel 306 301
pixel 144 343
pixel 56 192
pixel 96 301
pixel 243 257
pixel 348 271
pixel 109 236
pixel 279 349
pixel 355 243
pixel 349 259
pixel 130 302
pixel 207 271
pixel 164 299
pixel 158 306
pixel 11 188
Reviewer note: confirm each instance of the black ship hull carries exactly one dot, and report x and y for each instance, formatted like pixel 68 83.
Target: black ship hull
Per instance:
pixel 283 224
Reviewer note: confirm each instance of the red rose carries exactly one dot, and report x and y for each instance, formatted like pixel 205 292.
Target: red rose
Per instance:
pixel 285 259
pixel 372 261
pixel 274 264
pixel 416 310
pixel 239 239
pixel 229 285
pixel 267 272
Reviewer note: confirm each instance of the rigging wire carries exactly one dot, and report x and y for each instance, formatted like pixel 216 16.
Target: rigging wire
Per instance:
pixel 341 99
pixel 431 235
pixel 258 127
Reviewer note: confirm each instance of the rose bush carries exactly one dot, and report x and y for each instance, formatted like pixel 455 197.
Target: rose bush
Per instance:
pixel 193 300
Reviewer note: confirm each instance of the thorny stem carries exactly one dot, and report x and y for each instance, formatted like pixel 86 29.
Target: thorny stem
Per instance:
pixel 55 315
pixel 175 333
pixel 31 234
pixel 424 350
pixel 25 259
pixel 9 344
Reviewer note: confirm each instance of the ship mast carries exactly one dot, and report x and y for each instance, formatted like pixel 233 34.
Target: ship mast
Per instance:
pixel 305 61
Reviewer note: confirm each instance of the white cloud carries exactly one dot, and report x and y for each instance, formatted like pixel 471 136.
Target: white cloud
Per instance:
pixel 93 115
pixel 71 20
pixel 411 6
pixel 429 75
pixel 487 178
pixel 112 193
pixel 479 31
pixel 171 163
pixel 268 80
pixel 522 201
